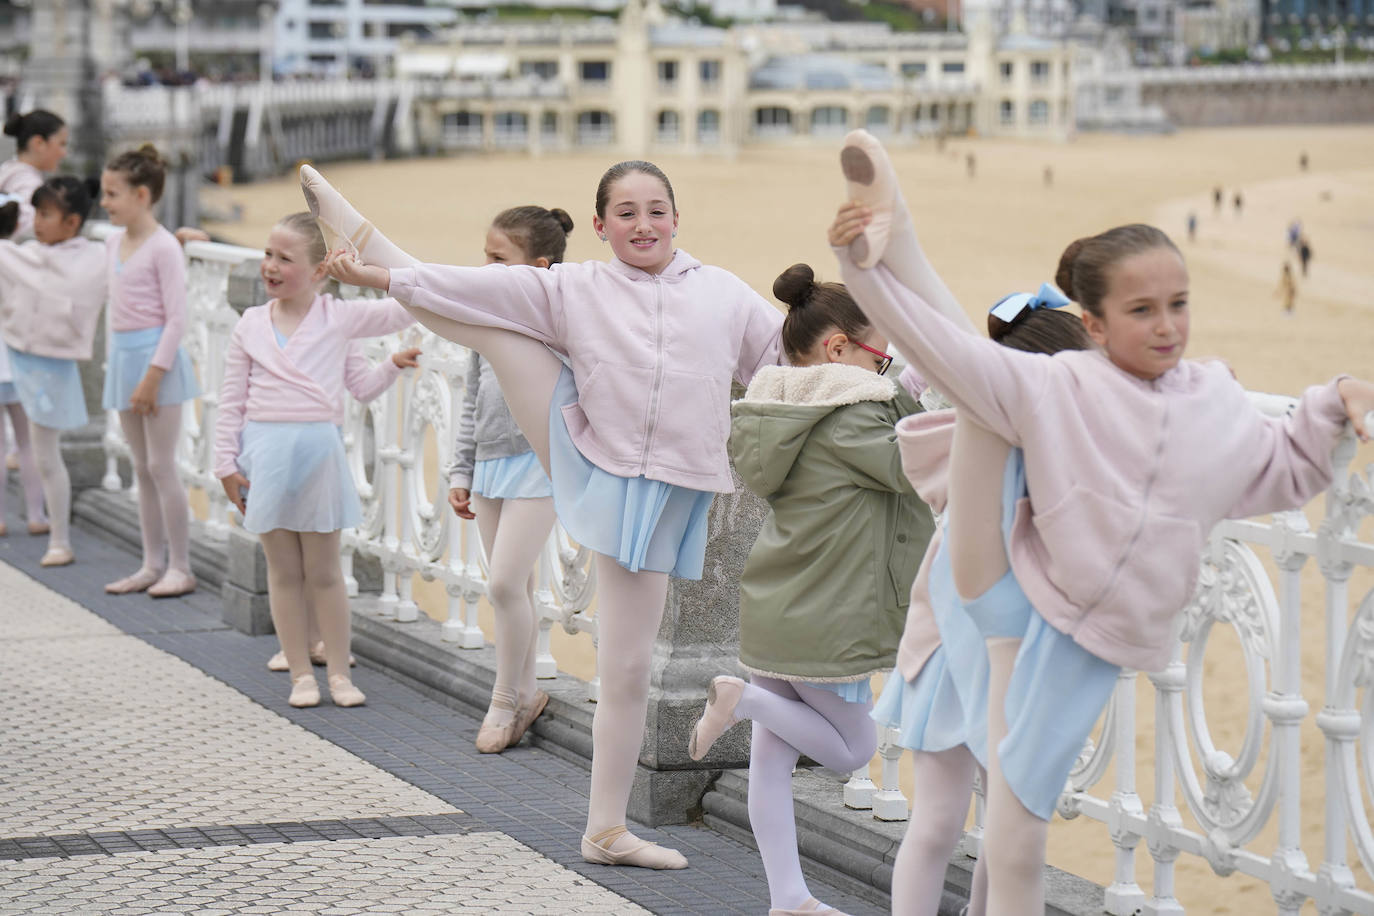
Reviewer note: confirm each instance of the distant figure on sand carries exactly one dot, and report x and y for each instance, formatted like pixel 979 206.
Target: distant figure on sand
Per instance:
pixel 1192 226
pixel 1288 289
pixel 1049 176
pixel 1302 161
pixel 1216 199
pixel 1294 233
pixel 1304 253
pixel 971 163
pixel 1238 202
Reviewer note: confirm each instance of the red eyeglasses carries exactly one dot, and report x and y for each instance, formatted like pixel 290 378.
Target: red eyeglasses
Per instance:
pixel 886 358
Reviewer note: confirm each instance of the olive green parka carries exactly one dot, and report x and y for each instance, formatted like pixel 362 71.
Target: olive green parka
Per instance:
pixel 826 586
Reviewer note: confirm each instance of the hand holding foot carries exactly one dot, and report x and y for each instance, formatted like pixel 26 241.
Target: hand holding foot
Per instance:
pixel 872 184
pixel 849 224
pixel 346 268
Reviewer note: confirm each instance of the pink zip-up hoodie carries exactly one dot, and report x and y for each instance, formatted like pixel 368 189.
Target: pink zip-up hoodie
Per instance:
pixel 302 381
pixel 1127 477
pixel 653 354
pixel 21 179
pixel 51 296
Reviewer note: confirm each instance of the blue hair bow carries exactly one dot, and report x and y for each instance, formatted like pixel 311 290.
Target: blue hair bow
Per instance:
pixel 1009 308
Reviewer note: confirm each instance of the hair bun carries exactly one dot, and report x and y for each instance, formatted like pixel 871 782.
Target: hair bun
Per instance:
pixel 13 123
pixel 563 218
pixel 794 285
pixel 149 152
pixel 997 328
pixel 1063 276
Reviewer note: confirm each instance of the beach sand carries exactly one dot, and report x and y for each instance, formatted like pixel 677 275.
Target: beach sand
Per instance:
pixel 999 232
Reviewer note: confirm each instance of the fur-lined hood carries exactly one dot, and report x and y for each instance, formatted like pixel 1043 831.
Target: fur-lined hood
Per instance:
pixel 774 419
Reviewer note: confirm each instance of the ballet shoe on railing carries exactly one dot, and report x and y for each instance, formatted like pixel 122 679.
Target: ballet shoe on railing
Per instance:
pixel 872 182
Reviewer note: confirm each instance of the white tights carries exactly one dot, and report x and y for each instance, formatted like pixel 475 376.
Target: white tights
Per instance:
pixel 28 472
pixel 303 573
pixel 943 789
pixel 791 719
pixel 57 485
pixel 513 532
pixel 164 516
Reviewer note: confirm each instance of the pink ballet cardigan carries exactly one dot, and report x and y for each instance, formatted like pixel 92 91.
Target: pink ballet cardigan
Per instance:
pixel 303 381
pixel 149 290
pixel 51 296
pixel 1127 477
pixel 21 179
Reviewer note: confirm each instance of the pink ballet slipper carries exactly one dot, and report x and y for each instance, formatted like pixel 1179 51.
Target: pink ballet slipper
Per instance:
pixel 871 182
pixel 721 699
pixel 304 692
pixel 635 852
pixel 136 582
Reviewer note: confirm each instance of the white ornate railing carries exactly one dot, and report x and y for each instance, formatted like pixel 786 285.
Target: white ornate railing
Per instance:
pixel 407 524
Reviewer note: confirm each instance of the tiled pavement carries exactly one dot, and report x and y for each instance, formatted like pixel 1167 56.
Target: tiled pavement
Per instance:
pixel 131 782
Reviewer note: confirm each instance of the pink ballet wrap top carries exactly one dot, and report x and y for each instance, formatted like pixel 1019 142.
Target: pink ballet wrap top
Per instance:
pixel 304 380
pixel 1127 477
pixel 653 354
pixel 21 179
pixel 149 290
pixel 51 296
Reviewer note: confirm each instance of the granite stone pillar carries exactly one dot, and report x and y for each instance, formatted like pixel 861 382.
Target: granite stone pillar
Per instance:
pixel 699 639
pixel 244 590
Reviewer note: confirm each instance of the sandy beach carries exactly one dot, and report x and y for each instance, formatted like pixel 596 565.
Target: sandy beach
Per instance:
pixel 995 233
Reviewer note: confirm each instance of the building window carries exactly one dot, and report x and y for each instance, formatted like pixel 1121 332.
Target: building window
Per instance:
pixel 1007 69
pixel 321 30
pixel 595 128
pixel 709 71
pixel 668 127
pixel 667 74
pixel 914 69
pixel 829 119
pixel 708 127
pixel 595 71
pixel 951 67
pixel 548 126
pixel 772 121
pixel 1007 112
pixel 510 128
pixel 1040 71
pixel 878 119
pixel 463 129
pixel 542 69
pixel 1040 112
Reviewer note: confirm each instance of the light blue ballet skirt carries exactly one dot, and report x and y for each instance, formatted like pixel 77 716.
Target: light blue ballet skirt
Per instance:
pixel 849 691
pixel 131 352
pixel 1056 693
pixel 298 476
pixel 50 390
pixel 642 523
pixel 8 393
pixel 516 477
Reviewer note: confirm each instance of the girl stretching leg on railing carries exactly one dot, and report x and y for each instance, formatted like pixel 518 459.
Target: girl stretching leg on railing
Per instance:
pixel 1131 456
pixel 632 431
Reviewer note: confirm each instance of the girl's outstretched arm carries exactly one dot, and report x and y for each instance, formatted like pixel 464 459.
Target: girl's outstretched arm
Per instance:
pixel 363 380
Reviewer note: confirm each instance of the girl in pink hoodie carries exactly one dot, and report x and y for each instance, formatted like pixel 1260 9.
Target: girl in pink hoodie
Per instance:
pixel 279 453
pixel 52 289
pixel 632 429
pixel 1107 545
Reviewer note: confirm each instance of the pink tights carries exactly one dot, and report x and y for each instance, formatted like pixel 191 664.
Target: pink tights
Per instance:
pixel 303 572
pixel 164 516
pixel 28 471
pixel 513 531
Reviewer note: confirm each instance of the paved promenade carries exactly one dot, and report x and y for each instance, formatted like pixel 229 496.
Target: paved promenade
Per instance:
pixel 149 763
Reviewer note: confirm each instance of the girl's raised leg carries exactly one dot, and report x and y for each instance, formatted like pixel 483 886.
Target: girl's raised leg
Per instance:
pixel 629 610
pixel 344 227
pixel 828 729
pixel 287 601
pixel 57 491
pixel 150 526
pixel 890 237
pixel 327 594
pixel 1013 838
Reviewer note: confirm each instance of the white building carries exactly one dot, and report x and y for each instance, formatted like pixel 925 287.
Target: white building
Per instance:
pixel 336 37
pixel 650 83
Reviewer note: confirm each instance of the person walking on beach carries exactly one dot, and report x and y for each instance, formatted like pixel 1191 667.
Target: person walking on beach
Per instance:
pixel 1216 199
pixel 1304 254
pixel 1288 289
pixel 1192 226
pixel 1238 202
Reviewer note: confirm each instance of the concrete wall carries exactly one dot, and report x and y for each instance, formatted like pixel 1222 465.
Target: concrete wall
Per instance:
pixel 1307 102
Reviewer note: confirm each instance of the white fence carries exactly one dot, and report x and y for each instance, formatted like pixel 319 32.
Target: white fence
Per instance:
pixel 409 528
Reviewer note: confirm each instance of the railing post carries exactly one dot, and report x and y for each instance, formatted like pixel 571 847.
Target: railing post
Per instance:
pixel 1164 819
pixel 1124 896
pixel 889 804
